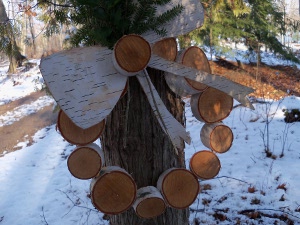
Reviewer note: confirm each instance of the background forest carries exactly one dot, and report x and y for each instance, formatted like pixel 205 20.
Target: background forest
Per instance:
pixel 36 28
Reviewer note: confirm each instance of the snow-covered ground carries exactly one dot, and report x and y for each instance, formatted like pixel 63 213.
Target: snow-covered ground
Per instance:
pixel 36 187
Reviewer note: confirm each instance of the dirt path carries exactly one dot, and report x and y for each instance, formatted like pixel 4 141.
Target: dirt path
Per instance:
pixel 25 128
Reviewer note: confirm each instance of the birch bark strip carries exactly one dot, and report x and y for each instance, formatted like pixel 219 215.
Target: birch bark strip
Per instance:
pixel 173 128
pixel 191 18
pixel 84 83
pixel 237 91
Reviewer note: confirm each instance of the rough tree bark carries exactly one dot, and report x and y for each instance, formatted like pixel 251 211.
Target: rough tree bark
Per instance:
pixel 15 57
pixel 134 140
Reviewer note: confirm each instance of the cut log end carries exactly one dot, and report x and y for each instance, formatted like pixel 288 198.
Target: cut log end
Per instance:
pixel 218 137
pixel 212 105
pixel 85 162
pixel 166 48
pixel 131 54
pixel 149 203
pixel 76 135
pixel 205 164
pixel 113 191
pixel 150 208
pixel 194 57
pixel 179 187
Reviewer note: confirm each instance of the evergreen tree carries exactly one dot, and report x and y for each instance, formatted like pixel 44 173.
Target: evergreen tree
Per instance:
pixel 8 43
pixel 105 21
pixel 255 22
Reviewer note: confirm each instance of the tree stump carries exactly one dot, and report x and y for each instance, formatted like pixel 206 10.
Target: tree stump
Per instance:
pixel 192 57
pixel 76 135
pixel 149 202
pixel 166 48
pixel 211 106
pixel 131 54
pixel 179 187
pixel 205 164
pixel 216 136
pixel 85 162
pixel 113 191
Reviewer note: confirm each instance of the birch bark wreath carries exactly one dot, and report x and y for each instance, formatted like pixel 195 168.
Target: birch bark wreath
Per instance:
pixel 87 83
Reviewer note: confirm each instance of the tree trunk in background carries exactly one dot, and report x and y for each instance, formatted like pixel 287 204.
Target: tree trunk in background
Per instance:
pixel 15 57
pixel 32 33
pixel 134 140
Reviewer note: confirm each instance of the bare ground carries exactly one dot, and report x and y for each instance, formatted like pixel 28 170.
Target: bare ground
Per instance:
pixel 24 129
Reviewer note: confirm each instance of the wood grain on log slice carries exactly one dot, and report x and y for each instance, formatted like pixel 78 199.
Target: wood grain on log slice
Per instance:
pixel 149 202
pixel 113 191
pixel 166 48
pixel 196 58
pixel 216 136
pixel 205 164
pixel 131 54
pixel 192 57
pixel 211 106
pixel 179 187
pixel 85 162
pixel 76 135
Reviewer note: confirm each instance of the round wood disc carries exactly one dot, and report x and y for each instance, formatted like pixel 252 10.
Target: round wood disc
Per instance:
pixel 76 135
pixel 85 162
pixel 114 191
pixel 194 57
pixel 205 164
pixel 214 105
pixel 149 202
pixel 221 139
pixel 179 187
pixel 151 207
pixel 132 53
pixel 166 48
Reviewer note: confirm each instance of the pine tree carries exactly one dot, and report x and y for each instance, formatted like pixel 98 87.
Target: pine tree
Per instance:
pixel 256 22
pixel 8 43
pixel 104 22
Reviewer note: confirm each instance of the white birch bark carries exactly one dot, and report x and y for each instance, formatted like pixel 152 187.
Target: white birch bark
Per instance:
pixel 190 19
pixel 237 91
pixel 169 124
pixel 84 83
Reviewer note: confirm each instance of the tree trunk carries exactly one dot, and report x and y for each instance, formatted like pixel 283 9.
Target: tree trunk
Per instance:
pixel 15 57
pixel 134 140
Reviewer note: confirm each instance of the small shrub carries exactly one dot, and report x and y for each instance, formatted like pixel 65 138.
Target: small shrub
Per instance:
pixel 292 115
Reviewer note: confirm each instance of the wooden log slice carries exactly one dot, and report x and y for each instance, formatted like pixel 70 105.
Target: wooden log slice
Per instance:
pixel 131 54
pixel 76 135
pixel 113 191
pixel 179 187
pixel 166 48
pixel 216 136
pixel 205 164
pixel 211 106
pixel 85 162
pixel 149 202
pixel 192 57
